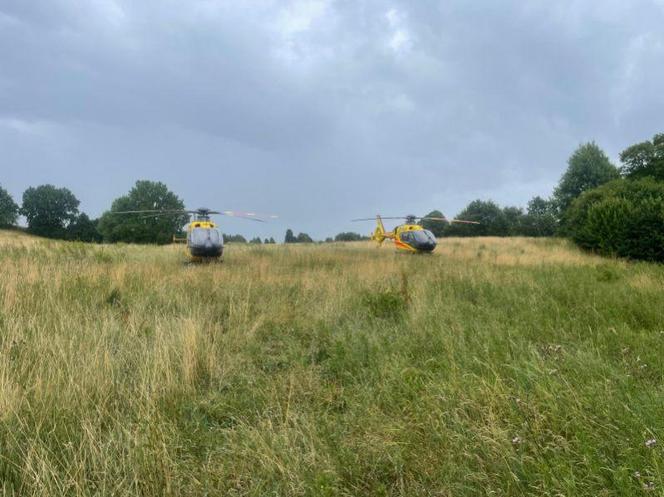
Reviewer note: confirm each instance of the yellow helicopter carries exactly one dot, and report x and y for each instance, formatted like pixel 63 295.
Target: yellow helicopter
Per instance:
pixel 204 239
pixel 411 236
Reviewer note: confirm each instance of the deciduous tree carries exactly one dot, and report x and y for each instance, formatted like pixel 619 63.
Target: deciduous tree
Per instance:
pixel 290 237
pixel 588 168
pixel 490 216
pixel 84 229
pixel 540 219
pixel 304 238
pixel 436 227
pixel 8 209
pixel 143 228
pixel 348 236
pixel 49 210
pixel 644 159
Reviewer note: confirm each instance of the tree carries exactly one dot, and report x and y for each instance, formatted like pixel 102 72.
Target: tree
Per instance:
pixel 49 210
pixel 290 238
pixel 84 229
pixel 491 218
pixel 348 236
pixel 142 228
pixel 644 159
pixel 8 209
pixel 540 219
pixel 304 238
pixel 436 227
pixel 234 239
pixel 588 168
pixel 514 220
pixel 256 240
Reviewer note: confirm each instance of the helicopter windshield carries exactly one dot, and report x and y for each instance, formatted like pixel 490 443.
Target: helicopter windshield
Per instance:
pixel 201 236
pixel 422 236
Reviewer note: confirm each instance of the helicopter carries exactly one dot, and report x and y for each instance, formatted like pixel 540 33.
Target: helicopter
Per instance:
pixel 204 239
pixel 410 236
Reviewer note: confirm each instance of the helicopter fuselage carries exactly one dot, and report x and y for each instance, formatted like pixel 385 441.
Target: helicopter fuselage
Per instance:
pixel 204 240
pixel 408 237
pixel 412 238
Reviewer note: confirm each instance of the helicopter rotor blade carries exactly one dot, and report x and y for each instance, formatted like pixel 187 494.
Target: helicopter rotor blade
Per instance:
pixel 425 218
pixel 428 218
pixel 243 215
pixel 156 211
pixel 247 215
pixel 160 214
pixel 464 221
pixel 169 212
pixel 375 217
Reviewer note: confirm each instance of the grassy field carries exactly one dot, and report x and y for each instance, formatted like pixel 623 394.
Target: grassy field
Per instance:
pixel 492 367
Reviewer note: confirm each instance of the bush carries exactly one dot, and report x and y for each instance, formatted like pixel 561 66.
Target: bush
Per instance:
pixel 623 218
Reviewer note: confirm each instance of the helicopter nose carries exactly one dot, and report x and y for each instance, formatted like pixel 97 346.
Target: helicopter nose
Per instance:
pixel 427 246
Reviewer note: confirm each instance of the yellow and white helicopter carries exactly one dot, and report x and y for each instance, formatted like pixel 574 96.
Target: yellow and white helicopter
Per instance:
pixel 410 236
pixel 204 239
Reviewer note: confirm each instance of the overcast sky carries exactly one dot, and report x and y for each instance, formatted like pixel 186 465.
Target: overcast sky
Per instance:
pixel 321 111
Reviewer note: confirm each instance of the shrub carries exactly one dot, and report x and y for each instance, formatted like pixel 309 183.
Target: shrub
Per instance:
pixel 623 218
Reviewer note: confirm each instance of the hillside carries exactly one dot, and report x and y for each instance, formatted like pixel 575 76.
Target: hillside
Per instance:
pixel 491 367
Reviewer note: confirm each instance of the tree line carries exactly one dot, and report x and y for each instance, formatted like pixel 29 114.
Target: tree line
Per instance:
pixel 50 212
pixel 53 212
pixel 608 209
pixel 622 212
pixel 611 210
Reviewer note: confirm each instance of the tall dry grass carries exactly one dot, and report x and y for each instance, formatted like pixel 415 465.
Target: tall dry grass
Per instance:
pixel 492 367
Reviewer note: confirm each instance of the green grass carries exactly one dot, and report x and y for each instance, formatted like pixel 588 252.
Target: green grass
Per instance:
pixel 492 367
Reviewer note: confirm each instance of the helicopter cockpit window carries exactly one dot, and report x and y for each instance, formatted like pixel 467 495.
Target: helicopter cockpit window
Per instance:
pixel 203 236
pixel 422 236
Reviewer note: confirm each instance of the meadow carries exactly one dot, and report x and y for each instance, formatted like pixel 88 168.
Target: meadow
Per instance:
pixel 493 367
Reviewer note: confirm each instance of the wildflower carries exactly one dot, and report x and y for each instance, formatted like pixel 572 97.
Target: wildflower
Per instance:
pixel 637 474
pixel 650 443
pixel 649 485
pixel 516 440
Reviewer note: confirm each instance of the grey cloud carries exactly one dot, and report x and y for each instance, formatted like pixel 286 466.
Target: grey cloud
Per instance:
pixel 321 110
